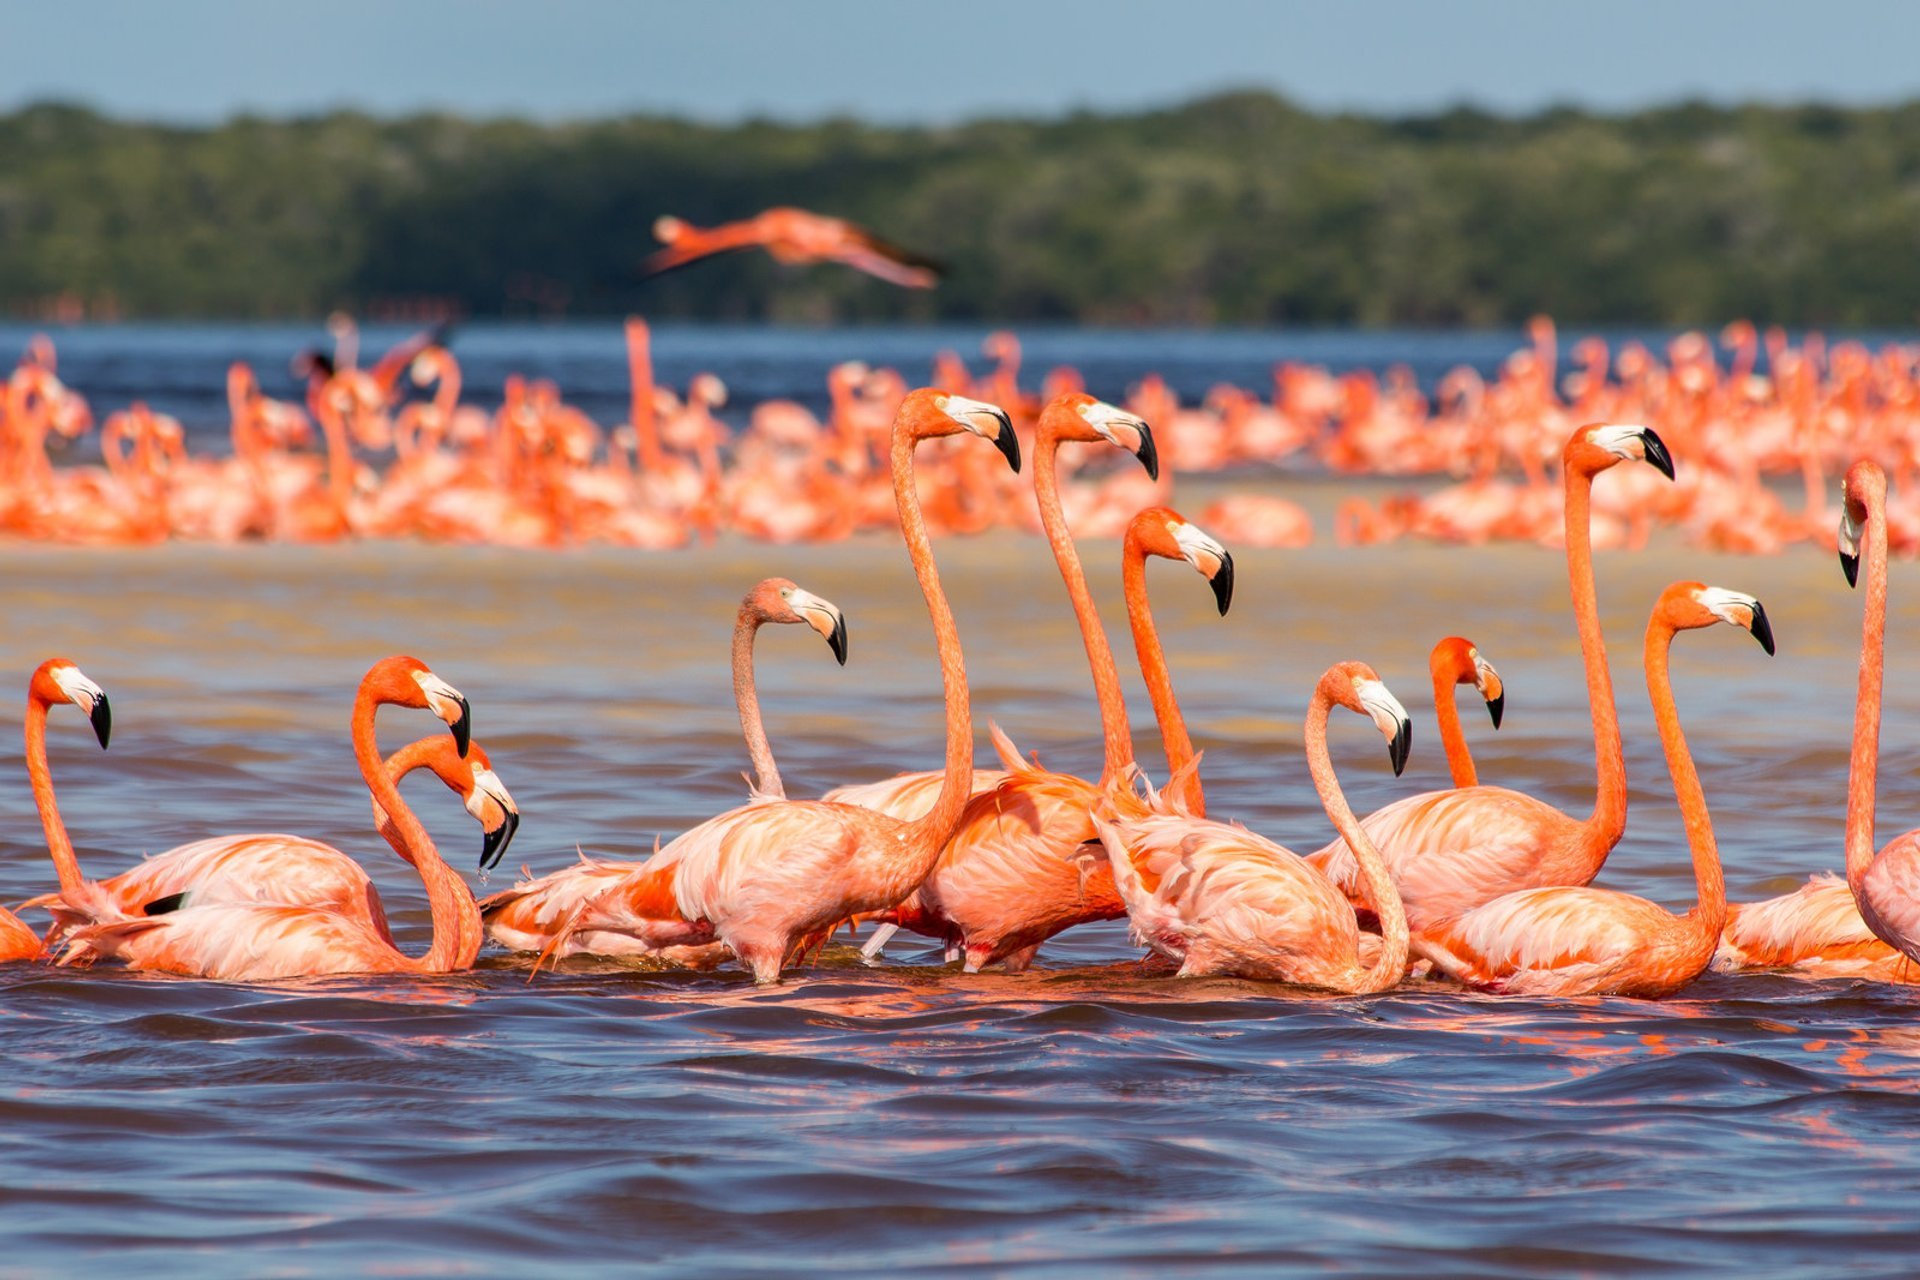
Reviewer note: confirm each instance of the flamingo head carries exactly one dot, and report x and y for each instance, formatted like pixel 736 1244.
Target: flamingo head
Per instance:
pixel 1591 450
pixel 1864 489
pixel 1164 532
pixel 931 412
pixel 1687 606
pixel 408 682
pixel 779 600
pixel 58 680
pixel 1078 416
pixel 471 777
pixel 1355 686
pixel 1458 660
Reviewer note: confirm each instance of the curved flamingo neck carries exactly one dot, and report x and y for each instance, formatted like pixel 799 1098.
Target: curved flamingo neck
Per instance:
pixel 1609 821
pixel 1159 681
pixel 1865 761
pixel 448 900
pixel 339 454
pixel 1116 736
pixel 929 832
pixel 59 847
pixel 1453 738
pixel 766 778
pixel 1709 915
pixel 1392 961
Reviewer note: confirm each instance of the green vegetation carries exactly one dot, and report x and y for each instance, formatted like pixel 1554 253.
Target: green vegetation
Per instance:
pixel 1236 209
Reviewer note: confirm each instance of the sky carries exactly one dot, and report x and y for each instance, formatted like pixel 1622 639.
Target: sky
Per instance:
pixel 912 61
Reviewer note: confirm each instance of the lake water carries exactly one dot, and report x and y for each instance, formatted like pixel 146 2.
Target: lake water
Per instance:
pixel 1091 1116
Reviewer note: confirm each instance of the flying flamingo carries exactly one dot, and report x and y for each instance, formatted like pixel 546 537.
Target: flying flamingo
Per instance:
pixel 1865 926
pixel 1450 851
pixel 1455 661
pixel 769 875
pixel 1222 900
pixel 254 941
pixel 533 915
pixel 1008 879
pixel 1577 940
pixel 792 236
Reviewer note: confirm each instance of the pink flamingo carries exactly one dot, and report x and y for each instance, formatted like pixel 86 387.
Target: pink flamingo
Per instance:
pixel 533 914
pixel 1865 926
pixel 1221 900
pixel 1452 850
pixel 1008 879
pixel 1577 940
pixel 774 874
pixel 1455 661
pixel 271 939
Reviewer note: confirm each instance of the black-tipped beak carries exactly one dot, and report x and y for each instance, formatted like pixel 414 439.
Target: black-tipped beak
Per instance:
pixel 1149 456
pixel 1222 583
pixel 1497 707
pixel 837 641
pixel 494 844
pixel 102 718
pixel 462 729
pixel 1007 442
pixel 1399 746
pixel 1657 454
pixel 1761 628
pixel 1850 565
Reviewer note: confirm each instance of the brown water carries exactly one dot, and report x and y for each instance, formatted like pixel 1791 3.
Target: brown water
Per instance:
pixel 1092 1115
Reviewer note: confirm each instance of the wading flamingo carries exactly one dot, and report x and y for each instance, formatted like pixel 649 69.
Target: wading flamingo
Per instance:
pixel 1450 851
pixel 792 236
pixel 55 680
pixel 1221 900
pixel 270 940
pixel 1455 661
pixel 1867 925
pixel 1578 940
pixel 769 875
pixel 533 914
pixel 295 871
pixel 1009 879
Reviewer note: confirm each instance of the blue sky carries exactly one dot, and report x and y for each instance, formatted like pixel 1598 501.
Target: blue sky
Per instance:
pixel 906 60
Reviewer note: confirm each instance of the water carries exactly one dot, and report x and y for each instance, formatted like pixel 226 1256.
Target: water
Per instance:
pixel 1092 1115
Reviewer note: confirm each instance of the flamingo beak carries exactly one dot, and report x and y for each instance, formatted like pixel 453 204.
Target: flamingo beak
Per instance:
pixel 1149 457
pixel 101 717
pixel 1850 565
pixel 1497 707
pixel 1399 746
pixel 1656 450
pixel 837 640
pixel 493 845
pixel 1006 441
pixel 1761 628
pixel 461 726
pixel 1222 583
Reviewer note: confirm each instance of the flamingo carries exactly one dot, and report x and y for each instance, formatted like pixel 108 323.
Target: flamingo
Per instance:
pixel 1222 900
pixel 768 875
pixel 1456 661
pixel 1564 940
pixel 792 236
pixel 1009 879
pixel 1453 850
pixel 532 915
pixel 1161 531
pixel 1865 925
pixel 295 871
pixel 269 940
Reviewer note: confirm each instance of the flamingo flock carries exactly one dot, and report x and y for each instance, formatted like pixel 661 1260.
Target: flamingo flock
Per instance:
pixel 1477 885
pixel 392 450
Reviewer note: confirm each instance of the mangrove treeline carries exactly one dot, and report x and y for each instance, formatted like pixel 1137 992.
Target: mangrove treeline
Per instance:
pixel 1236 209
